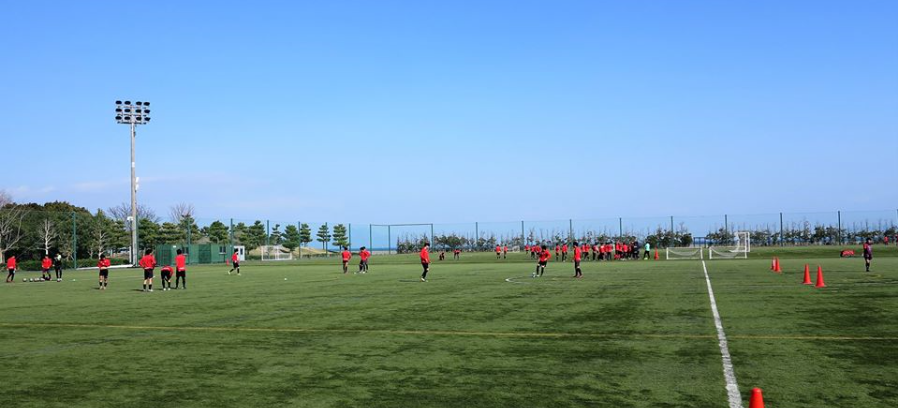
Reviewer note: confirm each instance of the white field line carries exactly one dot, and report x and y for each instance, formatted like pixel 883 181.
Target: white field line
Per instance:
pixel 729 375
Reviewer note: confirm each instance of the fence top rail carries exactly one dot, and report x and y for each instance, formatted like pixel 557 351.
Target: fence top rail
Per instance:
pixel 401 225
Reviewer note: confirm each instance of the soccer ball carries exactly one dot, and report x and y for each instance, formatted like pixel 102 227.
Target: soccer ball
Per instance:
pixel 30 279
pixel 24 279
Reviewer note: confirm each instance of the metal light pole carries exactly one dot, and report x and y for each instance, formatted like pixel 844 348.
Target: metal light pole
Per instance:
pixel 133 115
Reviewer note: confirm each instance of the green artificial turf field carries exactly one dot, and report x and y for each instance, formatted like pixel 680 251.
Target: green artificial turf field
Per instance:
pixel 480 332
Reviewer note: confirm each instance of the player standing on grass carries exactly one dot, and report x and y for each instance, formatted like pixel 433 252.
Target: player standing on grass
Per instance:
pixel 103 266
pixel 46 263
pixel 563 252
pixel 346 257
pixel 544 256
pixel 868 253
pixel 148 263
pixel 166 277
pixel 505 252
pixel 364 254
pixel 235 261
pixel 180 269
pixel 11 269
pixel 577 257
pixel 498 252
pixel 57 264
pixel 425 261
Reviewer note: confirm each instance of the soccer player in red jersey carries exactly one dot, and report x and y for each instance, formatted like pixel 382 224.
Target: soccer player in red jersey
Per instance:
pixel 346 257
pixel 544 256
pixel 46 263
pixel 456 254
pixel 526 248
pixel 425 260
pixel 557 250
pixel 364 254
pixel 563 252
pixel 166 277
pixel 11 269
pixel 103 265
pixel 585 251
pixel 180 270
pixel 235 262
pixel 504 251
pixel 498 252
pixel 148 263
pixel 577 257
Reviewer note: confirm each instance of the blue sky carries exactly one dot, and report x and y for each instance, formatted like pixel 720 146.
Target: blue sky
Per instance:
pixel 419 111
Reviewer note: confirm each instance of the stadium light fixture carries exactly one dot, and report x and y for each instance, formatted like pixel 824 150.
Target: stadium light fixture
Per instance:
pixel 133 115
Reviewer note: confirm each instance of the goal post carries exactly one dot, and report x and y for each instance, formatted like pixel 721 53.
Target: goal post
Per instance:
pixel 737 248
pixel 276 253
pixel 673 254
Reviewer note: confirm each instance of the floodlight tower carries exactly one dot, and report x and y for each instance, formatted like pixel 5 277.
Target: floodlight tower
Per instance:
pixel 135 114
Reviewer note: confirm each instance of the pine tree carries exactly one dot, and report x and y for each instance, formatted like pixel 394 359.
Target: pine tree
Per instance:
pixel 324 236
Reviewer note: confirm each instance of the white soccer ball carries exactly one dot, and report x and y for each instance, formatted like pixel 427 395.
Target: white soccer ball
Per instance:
pixel 30 279
pixel 24 279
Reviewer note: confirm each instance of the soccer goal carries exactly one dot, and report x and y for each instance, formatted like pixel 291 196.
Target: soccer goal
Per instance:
pixel 276 253
pixel 673 254
pixel 738 248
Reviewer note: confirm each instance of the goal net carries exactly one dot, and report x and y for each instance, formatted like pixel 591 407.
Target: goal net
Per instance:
pixel 738 247
pixel 684 253
pixel 276 253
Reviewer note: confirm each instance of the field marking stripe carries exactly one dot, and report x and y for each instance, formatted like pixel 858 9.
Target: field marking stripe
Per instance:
pixel 442 332
pixel 729 374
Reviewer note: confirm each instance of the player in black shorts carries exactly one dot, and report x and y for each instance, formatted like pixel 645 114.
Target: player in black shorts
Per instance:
pixel 868 253
pixel 103 266
pixel 544 256
pixel 57 264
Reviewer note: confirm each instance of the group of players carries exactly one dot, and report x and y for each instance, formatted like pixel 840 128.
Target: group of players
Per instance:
pixel 600 252
pixel 608 251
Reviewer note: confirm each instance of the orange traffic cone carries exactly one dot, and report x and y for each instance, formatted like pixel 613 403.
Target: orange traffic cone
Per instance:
pixel 656 254
pixel 779 269
pixel 773 264
pixel 757 399
pixel 820 282
pixel 807 275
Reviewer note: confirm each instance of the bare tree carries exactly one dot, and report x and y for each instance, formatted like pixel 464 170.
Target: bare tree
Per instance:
pixel 48 234
pixel 10 228
pixel 5 198
pixel 180 211
pixel 123 211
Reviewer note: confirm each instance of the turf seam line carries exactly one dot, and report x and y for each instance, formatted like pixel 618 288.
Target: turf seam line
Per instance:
pixel 728 373
pixel 609 336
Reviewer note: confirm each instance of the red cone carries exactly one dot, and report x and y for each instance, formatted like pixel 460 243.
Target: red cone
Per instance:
pixel 807 275
pixel 757 399
pixel 820 282
pixel 656 254
pixel 773 264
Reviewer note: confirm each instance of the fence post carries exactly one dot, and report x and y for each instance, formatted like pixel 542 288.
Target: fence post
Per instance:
pixel 432 239
pixel 267 232
pixel 620 228
pixel 840 226
pixel 371 236
pixel 299 231
pixel 782 242
pixel 476 236
pixel 75 242
pixel 726 226
pixel 522 236
pixel 389 241
pixel 570 229
pixel 671 226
